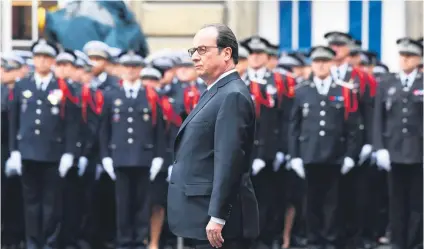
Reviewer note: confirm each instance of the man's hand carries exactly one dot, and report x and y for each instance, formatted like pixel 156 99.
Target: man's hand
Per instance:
pixel 213 231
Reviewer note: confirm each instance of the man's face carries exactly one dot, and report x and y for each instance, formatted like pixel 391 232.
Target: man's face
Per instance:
pixel 355 60
pixel 307 72
pixel 64 70
pixel 131 73
pixel 186 74
pixel 409 62
pixel 272 62
pixel 342 51
pixel 241 66
pixel 43 63
pixel 78 75
pixel 208 61
pixel 86 77
pixel 321 68
pixel 257 59
pixel 297 71
pixel 99 64
pixel 168 76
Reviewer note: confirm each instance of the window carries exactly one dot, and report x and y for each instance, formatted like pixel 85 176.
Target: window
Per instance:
pixel 21 21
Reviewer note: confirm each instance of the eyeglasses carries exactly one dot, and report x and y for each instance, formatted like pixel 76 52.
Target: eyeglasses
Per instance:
pixel 200 49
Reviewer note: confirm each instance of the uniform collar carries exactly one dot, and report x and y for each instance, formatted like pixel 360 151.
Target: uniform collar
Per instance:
pixel 340 71
pixel 256 75
pixel 411 77
pixel 43 81
pixel 323 86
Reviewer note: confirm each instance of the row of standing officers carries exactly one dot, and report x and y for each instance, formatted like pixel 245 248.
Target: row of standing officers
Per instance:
pixel 93 140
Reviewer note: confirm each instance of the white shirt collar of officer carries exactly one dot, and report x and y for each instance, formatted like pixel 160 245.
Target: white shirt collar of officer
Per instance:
pixel 220 77
pixel 411 77
pixel 135 87
pixel 340 71
pixel 256 75
pixel 43 81
pixel 323 86
pixel 102 77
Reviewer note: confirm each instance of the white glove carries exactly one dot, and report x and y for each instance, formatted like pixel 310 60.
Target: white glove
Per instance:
pixel 108 166
pixel 297 165
pixel 257 166
pixel 348 164
pixel 99 171
pixel 82 165
pixel 383 159
pixel 14 164
pixel 155 168
pixel 279 159
pixel 169 173
pixel 365 153
pixel 66 162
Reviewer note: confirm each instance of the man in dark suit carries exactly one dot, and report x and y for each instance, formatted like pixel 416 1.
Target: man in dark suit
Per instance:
pixel 210 195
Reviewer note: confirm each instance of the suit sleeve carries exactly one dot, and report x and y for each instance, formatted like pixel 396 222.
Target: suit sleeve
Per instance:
pixel 231 134
pixel 105 128
pixel 14 112
pixel 378 119
pixel 294 129
pixel 160 135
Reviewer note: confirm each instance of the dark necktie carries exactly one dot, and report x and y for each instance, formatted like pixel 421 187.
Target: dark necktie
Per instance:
pixel 131 91
pixel 405 82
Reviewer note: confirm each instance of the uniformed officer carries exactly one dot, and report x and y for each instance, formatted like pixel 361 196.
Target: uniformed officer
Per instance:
pixel 129 132
pixel 271 92
pixel 355 52
pixel 103 198
pixel 294 63
pixel 420 66
pixel 353 184
pixel 322 142
pixel 42 137
pixel 114 68
pixel 368 61
pixel 242 65
pixel 64 67
pixel 398 137
pixel 12 204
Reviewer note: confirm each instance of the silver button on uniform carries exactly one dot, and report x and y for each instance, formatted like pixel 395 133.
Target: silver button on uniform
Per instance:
pixel 322 133
pixel 322 103
pixel 37 132
pixel 130 109
pixel 404 120
pixel 38 111
pixel 39 102
pixel 130 140
pixel 130 130
pixel 37 121
pixel 322 113
pixel 405 109
pixel 130 120
pixel 322 122
pixel 404 130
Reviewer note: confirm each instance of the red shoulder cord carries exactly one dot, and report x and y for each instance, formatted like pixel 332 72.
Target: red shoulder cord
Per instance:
pixel 351 105
pixel 259 100
pixel 191 98
pixel 278 78
pixel 66 95
pixel 121 82
pixel 11 96
pixel 153 99
pixel 372 84
pixel 169 113
pixel 85 100
pixel 356 72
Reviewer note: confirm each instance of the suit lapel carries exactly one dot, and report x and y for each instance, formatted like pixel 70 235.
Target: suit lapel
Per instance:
pixel 204 101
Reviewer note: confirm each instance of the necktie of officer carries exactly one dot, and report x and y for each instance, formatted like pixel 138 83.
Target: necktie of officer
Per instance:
pixel 131 94
pixel 405 82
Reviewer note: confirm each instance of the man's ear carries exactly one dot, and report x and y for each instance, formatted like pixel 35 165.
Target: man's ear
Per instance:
pixel 227 53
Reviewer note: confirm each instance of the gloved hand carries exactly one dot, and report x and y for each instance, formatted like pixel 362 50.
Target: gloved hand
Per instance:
pixel 82 165
pixel 66 162
pixel 383 159
pixel 14 164
pixel 257 166
pixel 279 159
pixel 297 165
pixel 99 171
pixel 365 153
pixel 169 173
pixel 155 167
pixel 108 166
pixel 348 164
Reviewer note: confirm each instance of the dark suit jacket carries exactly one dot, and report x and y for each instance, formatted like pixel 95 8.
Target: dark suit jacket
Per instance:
pixel 210 176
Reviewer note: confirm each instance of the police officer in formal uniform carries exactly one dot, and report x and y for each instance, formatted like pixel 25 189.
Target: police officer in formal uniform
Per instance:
pixel 322 142
pixel 398 139
pixel 103 197
pixel 355 50
pixel 293 63
pixel 130 130
pixel 12 203
pixel 42 142
pixel 267 89
pixel 273 55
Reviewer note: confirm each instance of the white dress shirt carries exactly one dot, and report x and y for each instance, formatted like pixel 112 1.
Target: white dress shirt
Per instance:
pixel 256 74
pixel 42 82
pixel 134 87
pixel 408 78
pixel 340 71
pixel 323 86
